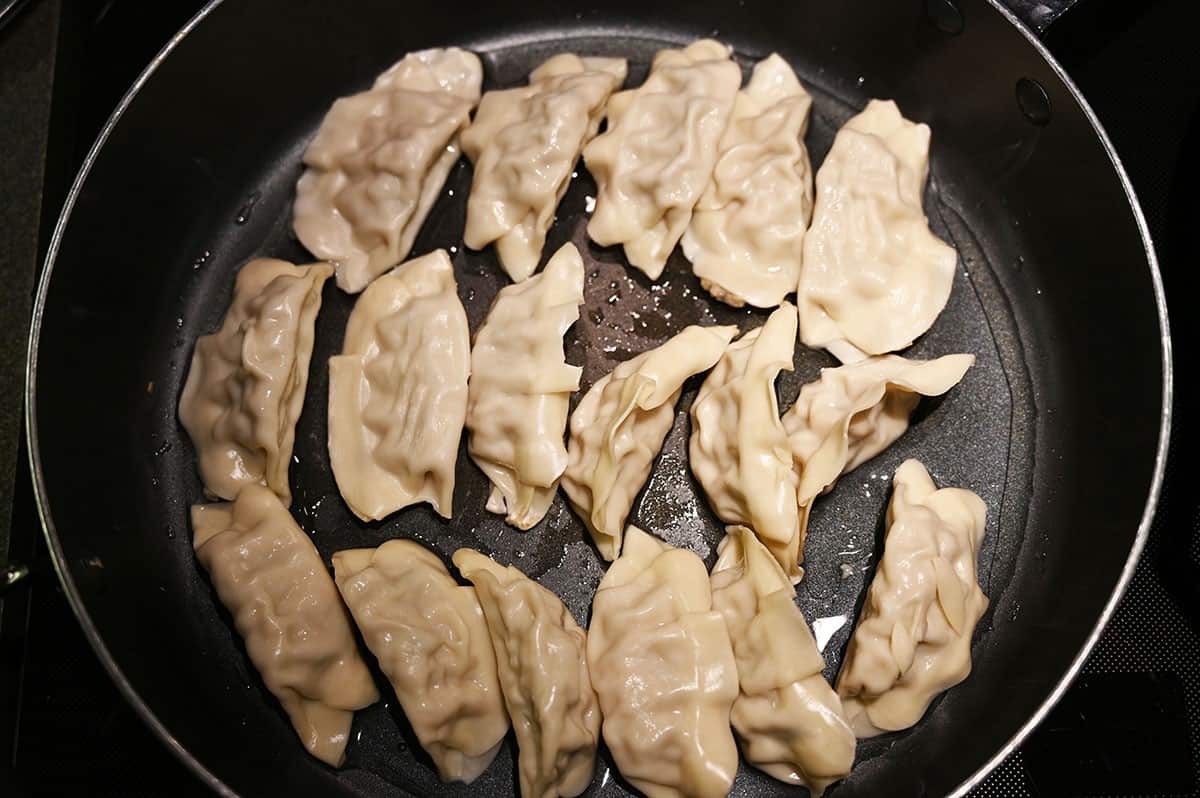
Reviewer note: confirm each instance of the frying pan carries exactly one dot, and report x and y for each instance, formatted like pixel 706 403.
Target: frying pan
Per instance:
pixel 1060 426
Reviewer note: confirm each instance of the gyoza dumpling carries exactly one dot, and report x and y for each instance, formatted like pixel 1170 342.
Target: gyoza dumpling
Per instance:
pixel 746 237
pixel 874 277
pixel 739 449
pixel 398 391
pixel 379 160
pixel 787 716
pixel 658 153
pixel 245 387
pixel 663 667
pixel 854 412
pixel 542 657
pixel 913 638
pixel 619 426
pixel 430 638
pixel 524 144
pixel 270 577
pixel 521 387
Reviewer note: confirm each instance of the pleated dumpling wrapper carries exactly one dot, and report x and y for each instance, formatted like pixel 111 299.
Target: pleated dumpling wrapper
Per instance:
pixel 542 658
pixel 618 428
pixel 431 641
pixel 657 155
pixel 874 277
pixel 524 143
pixel 398 391
pixel 739 449
pixel 520 389
pixel 245 387
pixel 663 667
pixel 786 715
pixel 913 638
pixel 379 160
pixel 269 576
pixel 746 237
pixel 854 412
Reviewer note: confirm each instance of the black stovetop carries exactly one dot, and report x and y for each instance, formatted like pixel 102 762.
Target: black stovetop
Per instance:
pixel 1130 726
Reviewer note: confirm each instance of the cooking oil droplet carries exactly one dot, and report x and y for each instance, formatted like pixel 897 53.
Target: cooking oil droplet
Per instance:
pixel 163 449
pixel 201 260
pixel 596 316
pixel 861 80
pixel 179 323
pixel 247 208
pixel 170 532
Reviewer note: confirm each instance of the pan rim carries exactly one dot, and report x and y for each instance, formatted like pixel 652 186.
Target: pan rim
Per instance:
pixel 134 699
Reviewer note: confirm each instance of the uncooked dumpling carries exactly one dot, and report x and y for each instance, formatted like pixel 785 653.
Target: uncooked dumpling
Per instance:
pixel 854 412
pixel 524 144
pixel 245 387
pixel 430 638
pixel 874 277
pixel 746 237
pixel 379 160
pixel 521 387
pixel 542 657
pixel 398 391
pixel 658 152
pixel 619 426
pixel 913 638
pixel 787 717
pixel 663 667
pixel 270 577
pixel 739 450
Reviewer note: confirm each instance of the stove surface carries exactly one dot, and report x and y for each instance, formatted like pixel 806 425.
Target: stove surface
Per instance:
pixel 1130 726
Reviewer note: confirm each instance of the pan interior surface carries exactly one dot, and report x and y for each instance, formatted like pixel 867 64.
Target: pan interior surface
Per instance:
pixel 199 175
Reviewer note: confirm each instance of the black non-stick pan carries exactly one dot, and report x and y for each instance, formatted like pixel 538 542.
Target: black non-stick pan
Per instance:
pixel 1060 426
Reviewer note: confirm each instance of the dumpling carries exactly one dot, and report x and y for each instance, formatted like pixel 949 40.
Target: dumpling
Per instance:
pixel 245 387
pixel 270 577
pixel 430 638
pixel 542 657
pixel 913 638
pixel 379 160
pixel 746 237
pixel 663 667
pixel 739 450
pixel 659 150
pixel 521 388
pixel 398 391
pixel 854 412
pixel 619 426
pixel 787 716
pixel 874 277
pixel 524 144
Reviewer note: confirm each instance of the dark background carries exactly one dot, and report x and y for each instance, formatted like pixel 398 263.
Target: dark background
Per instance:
pixel 1131 724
